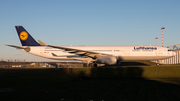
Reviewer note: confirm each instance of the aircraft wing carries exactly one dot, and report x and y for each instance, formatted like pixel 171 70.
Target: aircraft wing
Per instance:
pixel 85 53
pixel 79 52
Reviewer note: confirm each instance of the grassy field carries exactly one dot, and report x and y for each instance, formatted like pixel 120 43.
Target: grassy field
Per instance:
pixel 153 72
pixel 25 77
pixel 96 84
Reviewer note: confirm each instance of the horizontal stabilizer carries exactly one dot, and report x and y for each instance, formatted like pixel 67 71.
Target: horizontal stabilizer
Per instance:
pixel 27 49
pixel 18 47
pixel 42 43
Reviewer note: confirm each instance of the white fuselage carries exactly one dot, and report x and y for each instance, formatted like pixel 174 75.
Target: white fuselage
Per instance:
pixel 121 52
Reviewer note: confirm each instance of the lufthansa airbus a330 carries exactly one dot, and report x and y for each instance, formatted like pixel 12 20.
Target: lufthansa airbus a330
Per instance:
pixel 109 55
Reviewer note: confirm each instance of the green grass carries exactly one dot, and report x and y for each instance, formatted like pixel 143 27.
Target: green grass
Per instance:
pixel 102 84
pixel 26 77
pixel 162 72
pixel 137 63
pixel 23 77
pixel 156 72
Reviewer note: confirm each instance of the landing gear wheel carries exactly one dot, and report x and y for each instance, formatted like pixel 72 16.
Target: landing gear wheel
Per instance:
pixel 84 65
pixel 90 65
pixel 95 65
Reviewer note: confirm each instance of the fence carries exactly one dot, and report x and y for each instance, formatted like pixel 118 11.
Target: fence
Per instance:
pixel 18 64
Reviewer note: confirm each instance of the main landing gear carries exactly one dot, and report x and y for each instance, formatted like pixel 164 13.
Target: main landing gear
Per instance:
pixel 90 65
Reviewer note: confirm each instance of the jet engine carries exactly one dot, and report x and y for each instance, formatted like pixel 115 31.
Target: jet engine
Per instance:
pixel 109 60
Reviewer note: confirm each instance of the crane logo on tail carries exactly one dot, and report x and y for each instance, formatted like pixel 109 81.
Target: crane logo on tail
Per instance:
pixel 23 35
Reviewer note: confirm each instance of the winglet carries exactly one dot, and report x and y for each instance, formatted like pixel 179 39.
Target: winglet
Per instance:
pixel 42 43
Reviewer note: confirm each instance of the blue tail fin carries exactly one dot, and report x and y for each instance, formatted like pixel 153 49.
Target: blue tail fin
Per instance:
pixel 25 38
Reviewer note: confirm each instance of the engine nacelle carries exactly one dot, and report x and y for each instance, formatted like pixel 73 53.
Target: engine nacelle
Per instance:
pixel 109 60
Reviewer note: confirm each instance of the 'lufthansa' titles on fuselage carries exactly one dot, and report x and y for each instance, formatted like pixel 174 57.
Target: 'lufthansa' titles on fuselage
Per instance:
pixel 145 48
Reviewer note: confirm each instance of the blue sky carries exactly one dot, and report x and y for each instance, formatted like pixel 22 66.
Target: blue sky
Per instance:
pixel 88 22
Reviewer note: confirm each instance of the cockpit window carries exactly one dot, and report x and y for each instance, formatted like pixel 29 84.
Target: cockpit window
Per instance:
pixel 169 50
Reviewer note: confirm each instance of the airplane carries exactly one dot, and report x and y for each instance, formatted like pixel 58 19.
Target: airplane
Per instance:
pixel 93 55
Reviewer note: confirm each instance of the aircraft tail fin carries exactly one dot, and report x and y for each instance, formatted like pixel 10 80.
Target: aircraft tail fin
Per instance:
pixel 25 38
